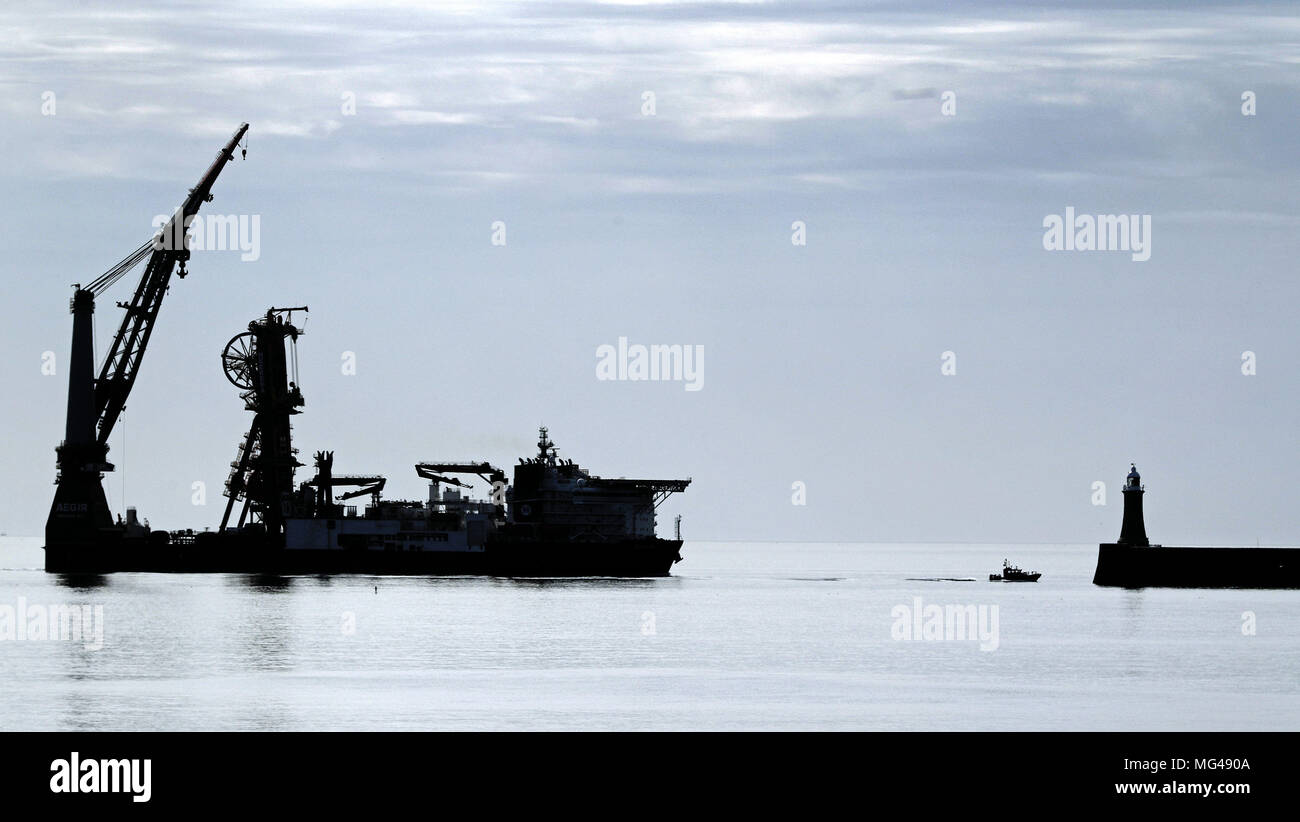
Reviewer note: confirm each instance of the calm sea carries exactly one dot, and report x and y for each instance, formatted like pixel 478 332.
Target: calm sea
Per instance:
pixel 743 636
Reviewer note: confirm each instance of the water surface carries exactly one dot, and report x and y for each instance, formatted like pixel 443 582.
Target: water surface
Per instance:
pixel 743 636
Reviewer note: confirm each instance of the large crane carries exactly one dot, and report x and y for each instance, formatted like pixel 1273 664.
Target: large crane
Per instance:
pixel 79 518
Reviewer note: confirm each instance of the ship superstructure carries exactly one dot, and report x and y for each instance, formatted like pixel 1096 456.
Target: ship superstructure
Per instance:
pixel 557 499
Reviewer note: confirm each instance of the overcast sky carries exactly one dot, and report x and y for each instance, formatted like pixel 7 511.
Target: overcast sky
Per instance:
pixel 822 362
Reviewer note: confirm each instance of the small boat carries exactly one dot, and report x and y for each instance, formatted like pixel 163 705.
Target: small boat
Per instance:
pixel 1011 573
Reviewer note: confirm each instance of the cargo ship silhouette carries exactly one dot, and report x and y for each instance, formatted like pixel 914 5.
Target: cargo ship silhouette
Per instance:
pixel 554 519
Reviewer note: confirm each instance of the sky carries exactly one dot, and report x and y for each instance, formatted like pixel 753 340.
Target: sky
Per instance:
pixel 650 168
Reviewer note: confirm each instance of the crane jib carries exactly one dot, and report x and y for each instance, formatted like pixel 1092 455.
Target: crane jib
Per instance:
pixel 127 349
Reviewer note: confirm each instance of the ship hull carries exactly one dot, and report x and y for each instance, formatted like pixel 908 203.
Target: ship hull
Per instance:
pixel 624 558
pixel 1129 566
pixel 651 557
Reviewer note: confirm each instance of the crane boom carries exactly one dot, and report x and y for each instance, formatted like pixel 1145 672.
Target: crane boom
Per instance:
pixel 123 361
pixel 485 471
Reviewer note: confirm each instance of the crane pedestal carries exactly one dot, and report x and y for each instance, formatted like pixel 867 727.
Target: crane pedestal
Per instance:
pixel 79 520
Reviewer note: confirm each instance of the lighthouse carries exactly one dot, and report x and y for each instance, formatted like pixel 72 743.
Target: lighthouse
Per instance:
pixel 1133 531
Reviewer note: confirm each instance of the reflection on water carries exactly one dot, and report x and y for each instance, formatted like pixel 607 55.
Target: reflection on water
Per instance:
pixel 261 630
pixel 580 583
pixel 1133 599
pixel 267 583
pixel 81 582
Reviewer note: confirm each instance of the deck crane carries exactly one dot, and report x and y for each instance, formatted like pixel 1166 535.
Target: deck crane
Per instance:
pixel 326 481
pixel 493 476
pixel 79 518
pixel 435 471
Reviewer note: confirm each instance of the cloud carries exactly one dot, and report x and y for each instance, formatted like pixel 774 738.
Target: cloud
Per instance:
pixel 442 118
pixel 565 81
